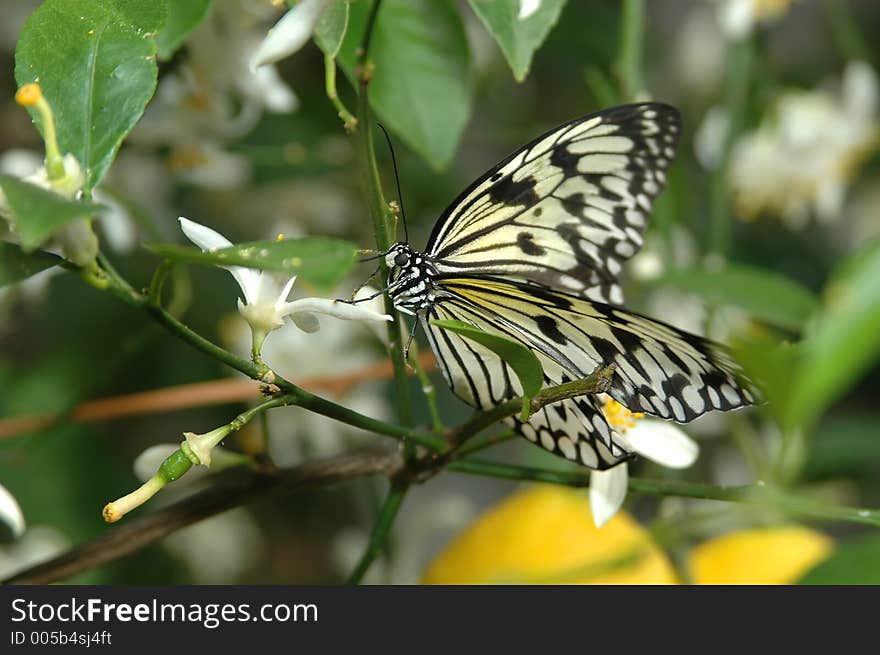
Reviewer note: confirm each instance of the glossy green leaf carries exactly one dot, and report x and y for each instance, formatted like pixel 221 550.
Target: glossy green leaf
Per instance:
pixel 150 16
pixel 183 18
pixel 422 87
pixel 845 340
pixel 853 563
pixel 331 28
pixel 17 265
pixel 522 360
pixel 321 262
pixel 38 213
pixel 97 69
pixel 768 296
pixel 518 39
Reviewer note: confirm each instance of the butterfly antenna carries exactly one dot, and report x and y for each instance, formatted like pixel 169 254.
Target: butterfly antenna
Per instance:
pixel 397 180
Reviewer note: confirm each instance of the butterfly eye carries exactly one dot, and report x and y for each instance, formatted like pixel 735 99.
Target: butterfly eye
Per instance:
pixel 401 259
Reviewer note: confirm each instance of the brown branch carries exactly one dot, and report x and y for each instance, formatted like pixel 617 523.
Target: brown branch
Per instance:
pixel 240 487
pixel 235 488
pixel 186 396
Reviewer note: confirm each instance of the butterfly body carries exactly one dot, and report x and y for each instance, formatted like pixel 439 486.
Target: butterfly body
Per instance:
pixel 532 251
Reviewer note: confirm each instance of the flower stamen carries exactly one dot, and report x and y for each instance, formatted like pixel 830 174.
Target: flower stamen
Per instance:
pixel 619 416
pixel 31 95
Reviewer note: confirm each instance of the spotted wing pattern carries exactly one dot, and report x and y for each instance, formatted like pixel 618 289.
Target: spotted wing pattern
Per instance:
pixel 566 210
pixel 574 428
pixel 660 370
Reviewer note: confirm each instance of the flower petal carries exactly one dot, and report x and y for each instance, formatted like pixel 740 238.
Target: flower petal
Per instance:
pixel 10 512
pixel 335 308
pixel 662 442
pixel 290 33
pixel 527 8
pixel 207 239
pixel 306 321
pixel 607 492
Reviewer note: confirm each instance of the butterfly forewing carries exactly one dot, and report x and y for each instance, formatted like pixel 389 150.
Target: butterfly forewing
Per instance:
pixel 566 210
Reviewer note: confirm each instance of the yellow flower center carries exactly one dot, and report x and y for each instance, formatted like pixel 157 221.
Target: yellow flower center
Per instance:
pixel 280 236
pixel 619 416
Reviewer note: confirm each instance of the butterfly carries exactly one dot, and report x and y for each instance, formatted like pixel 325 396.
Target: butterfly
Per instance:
pixel 532 251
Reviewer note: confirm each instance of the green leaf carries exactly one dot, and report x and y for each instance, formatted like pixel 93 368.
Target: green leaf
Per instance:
pixel 422 87
pixel 97 69
pixel 321 262
pixel 845 340
pixel 768 296
pixel 38 212
pixel 16 264
pixel 518 39
pixel 183 18
pixel 844 445
pixel 853 563
pixel 331 28
pixel 148 16
pixel 522 360
pixel 772 366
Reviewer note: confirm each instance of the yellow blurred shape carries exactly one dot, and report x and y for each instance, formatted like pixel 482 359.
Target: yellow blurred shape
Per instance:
pixel 759 556
pixel 545 535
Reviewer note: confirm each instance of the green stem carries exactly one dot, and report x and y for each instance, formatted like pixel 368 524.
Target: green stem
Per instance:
pixel 601 87
pixel 158 281
pixel 845 30
pixel 428 389
pixel 629 61
pixel 597 382
pixel 476 445
pixel 381 531
pixel 740 57
pixel 295 395
pixel 382 231
pixel 751 494
pixel 349 121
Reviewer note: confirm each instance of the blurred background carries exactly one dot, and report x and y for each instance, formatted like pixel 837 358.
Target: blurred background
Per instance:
pixel 777 171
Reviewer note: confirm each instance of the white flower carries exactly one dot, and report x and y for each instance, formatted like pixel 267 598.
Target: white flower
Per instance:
pixel 660 441
pixel 78 241
pixel 38 544
pixel 206 164
pixel 803 156
pixel 290 33
pixel 213 97
pixel 527 8
pixel 737 18
pixel 265 304
pixel 219 549
pixel 710 137
pixel 10 512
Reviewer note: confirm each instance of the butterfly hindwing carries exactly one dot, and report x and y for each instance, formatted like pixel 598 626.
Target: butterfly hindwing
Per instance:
pixel 574 428
pixel 566 210
pixel 660 370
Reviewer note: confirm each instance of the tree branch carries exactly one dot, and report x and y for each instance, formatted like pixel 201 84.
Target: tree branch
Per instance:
pixel 233 489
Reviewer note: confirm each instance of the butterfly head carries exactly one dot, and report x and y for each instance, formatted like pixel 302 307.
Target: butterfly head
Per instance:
pixel 410 278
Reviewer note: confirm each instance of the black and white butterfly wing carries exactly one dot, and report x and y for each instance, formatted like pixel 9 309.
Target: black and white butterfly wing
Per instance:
pixel 660 370
pixel 566 210
pixel 574 428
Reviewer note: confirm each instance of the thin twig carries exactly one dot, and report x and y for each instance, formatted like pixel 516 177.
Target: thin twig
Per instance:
pixel 187 396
